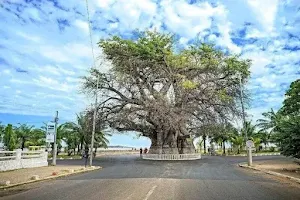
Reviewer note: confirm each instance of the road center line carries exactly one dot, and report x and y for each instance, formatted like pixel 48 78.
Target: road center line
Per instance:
pixel 150 192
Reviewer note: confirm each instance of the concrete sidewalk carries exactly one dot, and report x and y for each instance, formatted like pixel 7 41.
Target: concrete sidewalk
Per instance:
pixel 22 176
pixel 284 167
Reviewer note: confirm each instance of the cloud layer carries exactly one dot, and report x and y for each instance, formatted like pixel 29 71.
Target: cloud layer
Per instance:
pixel 45 47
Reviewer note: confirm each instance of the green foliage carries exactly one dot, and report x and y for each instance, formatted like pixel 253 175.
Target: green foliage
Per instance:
pixel 284 126
pixel 23 132
pixel 250 129
pixel 75 133
pixel 187 84
pixel 270 122
pixel 9 138
pixel 291 105
pixel 2 128
pixel 290 136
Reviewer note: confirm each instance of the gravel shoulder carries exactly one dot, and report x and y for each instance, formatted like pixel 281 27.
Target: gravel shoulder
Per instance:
pixel 24 175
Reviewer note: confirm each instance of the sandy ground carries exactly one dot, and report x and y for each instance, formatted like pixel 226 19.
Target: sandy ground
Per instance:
pixel 23 175
pixel 285 166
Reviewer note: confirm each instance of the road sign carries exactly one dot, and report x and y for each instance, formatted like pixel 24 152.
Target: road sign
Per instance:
pixel 50 133
pixel 249 144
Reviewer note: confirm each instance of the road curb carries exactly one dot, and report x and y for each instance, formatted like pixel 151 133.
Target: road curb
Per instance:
pixel 258 154
pixel 297 180
pixel 51 177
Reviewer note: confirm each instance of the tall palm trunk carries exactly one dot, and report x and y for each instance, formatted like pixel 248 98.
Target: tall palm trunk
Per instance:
pixel 204 143
pixel 23 144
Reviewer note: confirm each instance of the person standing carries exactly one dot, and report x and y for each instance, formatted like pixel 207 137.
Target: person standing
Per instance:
pixel 141 152
pixel 146 150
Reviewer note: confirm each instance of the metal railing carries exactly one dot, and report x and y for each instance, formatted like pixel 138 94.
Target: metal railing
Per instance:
pixel 171 156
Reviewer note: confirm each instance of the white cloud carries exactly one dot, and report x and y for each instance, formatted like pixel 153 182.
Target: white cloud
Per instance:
pixel 104 3
pixel 52 84
pixel 259 62
pixel 265 12
pixel 225 40
pixel 188 20
pixel 83 25
pixel 29 37
pixel 56 58
pixel 267 82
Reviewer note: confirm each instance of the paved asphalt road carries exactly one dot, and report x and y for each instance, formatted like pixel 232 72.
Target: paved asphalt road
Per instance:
pixel 129 177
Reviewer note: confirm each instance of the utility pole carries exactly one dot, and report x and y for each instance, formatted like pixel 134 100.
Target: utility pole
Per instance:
pixel 249 150
pixel 94 121
pixel 243 109
pixel 55 145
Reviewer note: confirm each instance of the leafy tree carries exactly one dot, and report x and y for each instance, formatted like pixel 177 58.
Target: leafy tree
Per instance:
pixel 162 92
pixel 2 128
pixel 290 124
pixel 290 136
pixel 10 138
pixel 291 104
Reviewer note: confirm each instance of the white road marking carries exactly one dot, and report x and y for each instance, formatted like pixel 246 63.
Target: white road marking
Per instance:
pixel 150 192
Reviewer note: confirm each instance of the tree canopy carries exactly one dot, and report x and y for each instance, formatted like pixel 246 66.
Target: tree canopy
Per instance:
pixel 164 93
pixel 289 136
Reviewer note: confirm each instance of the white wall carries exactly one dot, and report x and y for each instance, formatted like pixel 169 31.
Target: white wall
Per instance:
pixel 20 162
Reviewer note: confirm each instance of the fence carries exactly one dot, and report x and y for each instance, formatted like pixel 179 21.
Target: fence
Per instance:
pixel 171 156
pixel 10 160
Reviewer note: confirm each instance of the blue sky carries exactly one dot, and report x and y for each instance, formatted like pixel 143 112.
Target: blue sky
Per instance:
pixel 45 48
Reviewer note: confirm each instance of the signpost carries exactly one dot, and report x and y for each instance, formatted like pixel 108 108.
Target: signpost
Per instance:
pixel 50 134
pixel 51 137
pixel 249 145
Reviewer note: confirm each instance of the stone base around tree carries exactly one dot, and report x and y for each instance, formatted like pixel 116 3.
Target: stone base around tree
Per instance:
pixel 195 156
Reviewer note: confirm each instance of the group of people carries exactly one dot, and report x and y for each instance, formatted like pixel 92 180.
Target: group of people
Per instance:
pixel 145 150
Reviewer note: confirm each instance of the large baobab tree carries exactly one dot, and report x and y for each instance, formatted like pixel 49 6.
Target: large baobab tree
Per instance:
pixel 164 93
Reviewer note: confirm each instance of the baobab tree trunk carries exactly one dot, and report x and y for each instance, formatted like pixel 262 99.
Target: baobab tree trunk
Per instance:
pixel 172 144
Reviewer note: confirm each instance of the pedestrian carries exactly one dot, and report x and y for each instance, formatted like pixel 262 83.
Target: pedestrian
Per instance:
pixel 146 150
pixel 141 151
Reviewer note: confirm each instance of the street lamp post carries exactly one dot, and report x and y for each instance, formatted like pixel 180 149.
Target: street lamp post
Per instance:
pixel 249 151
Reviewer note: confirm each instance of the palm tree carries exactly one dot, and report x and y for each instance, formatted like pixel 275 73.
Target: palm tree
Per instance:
pixel 270 122
pixel 101 140
pixel 249 129
pixel 80 133
pixel 238 141
pixel 257 142
pixel 24 133
pixel 37 138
